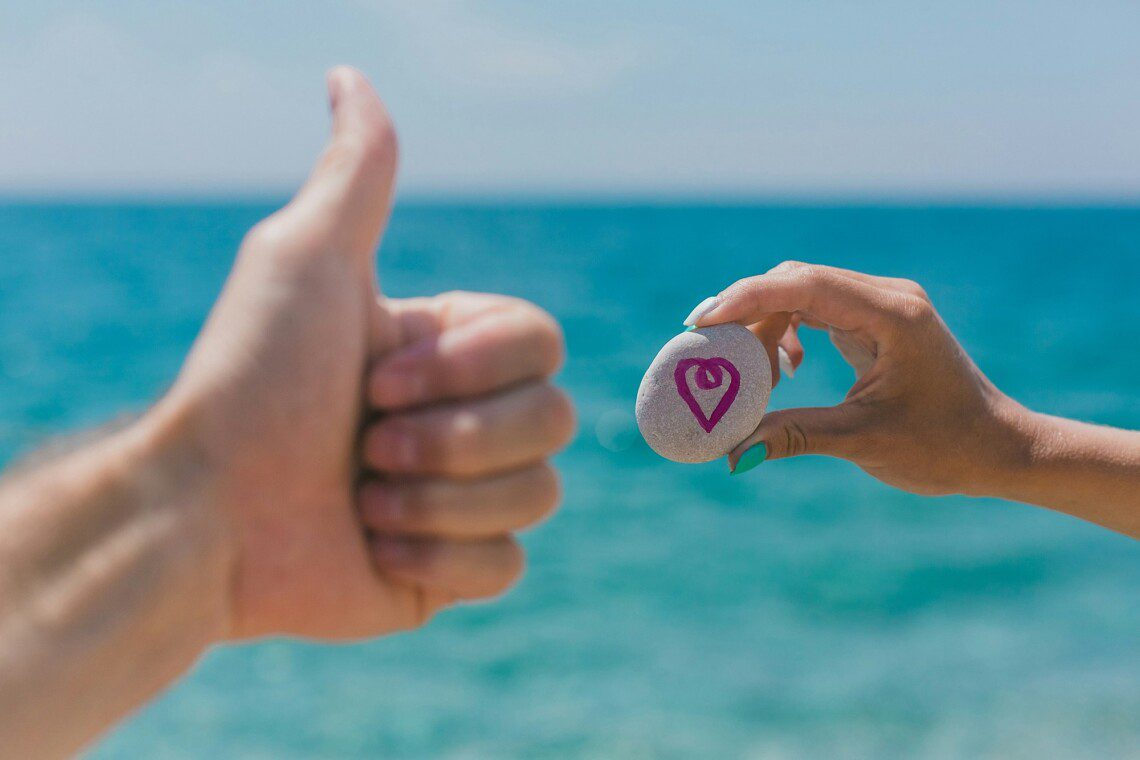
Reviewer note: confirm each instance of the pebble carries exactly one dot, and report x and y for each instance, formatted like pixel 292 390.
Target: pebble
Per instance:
pixel 704 393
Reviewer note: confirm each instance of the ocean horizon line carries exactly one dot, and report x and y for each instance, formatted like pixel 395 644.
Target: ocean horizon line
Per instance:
pixel 588 199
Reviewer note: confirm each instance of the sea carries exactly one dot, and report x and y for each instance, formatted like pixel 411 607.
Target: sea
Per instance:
pixel 803 610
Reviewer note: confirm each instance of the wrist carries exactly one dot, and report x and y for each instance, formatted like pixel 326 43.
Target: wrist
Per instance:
pixel 171 471
pixel 117 574
pixel 1009 454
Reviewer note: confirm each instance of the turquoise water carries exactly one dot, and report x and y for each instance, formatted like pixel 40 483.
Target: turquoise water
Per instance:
pixel 669 611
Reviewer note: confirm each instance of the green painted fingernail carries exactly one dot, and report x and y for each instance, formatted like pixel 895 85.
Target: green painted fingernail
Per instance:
pixel 751 458
pixel 690 328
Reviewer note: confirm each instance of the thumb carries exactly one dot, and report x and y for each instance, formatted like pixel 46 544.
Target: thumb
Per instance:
pixel 348 195
pixel 829 430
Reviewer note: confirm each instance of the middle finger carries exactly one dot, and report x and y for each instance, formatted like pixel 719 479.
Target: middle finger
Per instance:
pixel 476 437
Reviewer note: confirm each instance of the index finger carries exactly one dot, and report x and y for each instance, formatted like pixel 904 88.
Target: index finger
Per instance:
pixel 826 295
pixel 490 352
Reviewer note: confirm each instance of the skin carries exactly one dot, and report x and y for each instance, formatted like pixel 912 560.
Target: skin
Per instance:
pixel 334 465
pixel 329 464
pixel 921 416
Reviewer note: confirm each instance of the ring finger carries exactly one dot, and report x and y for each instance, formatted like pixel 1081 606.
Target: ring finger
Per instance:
pixel 471 438
pixel 461 509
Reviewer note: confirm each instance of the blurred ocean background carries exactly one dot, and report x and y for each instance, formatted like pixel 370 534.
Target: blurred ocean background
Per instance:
pixel 804 610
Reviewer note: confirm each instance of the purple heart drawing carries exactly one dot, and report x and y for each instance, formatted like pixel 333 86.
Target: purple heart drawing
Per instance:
pixel 707 377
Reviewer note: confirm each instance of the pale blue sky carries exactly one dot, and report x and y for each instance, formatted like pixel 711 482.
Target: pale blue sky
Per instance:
pixel 873 99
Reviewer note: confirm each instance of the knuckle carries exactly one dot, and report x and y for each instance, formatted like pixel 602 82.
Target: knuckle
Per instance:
pixel 806 276
pixel 784 436
pixel 813 273
pixel 914 310
pixel 371 151
pixel 416 444
pixel 788 265
pixel 741 289
pixel 449 297
pixel 455 441
pixel 269 233
pixel 795 439
pixel 342 154
pixel 812 280
pixel 916 290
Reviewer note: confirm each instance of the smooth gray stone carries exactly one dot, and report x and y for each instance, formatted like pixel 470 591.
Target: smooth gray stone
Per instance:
pixel 687 407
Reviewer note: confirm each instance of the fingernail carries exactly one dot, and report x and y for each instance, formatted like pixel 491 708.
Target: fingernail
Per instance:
pixel 750 459
pixel 690 328
pixel 785 361
pixel 703 308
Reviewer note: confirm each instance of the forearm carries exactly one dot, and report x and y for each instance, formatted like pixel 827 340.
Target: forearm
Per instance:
pixel 112 579
pixel 1088 471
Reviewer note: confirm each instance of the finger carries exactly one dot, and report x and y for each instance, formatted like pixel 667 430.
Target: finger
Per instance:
pixel 349 192
pixel 824 294
pixel 408 606
pixel 768 332
pixel 812 322
pixel 855 353
pixel 792 347
pixel 898 284
pixel 479 437
pixel 856 350
pixel 462 569
pixel 793 432
pixel 461 509
pixel 495 350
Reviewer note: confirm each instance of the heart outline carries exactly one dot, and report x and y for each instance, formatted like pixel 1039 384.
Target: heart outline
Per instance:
pixel 708 376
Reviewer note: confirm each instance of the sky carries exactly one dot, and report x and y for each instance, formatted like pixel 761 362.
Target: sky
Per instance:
pixel 515 97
